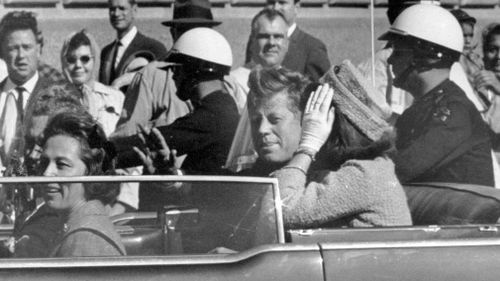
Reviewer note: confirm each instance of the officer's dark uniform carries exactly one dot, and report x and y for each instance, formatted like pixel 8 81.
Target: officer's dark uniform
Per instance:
pixel 205 135
pixel 442 138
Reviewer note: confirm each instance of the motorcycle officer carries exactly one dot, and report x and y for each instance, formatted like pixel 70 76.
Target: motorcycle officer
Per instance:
pixel 441 137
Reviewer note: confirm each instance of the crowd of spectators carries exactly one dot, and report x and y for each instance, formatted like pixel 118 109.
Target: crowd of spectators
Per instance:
pixel 134 108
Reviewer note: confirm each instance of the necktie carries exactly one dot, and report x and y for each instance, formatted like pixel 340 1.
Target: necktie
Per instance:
pixel 9 124
pixel 20 102
pixel 114 62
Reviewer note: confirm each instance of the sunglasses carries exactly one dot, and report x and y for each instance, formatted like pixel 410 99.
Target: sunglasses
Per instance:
pixel 84 59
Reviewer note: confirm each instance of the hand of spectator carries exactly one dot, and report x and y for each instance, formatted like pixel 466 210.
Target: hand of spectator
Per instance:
pixel 488 80
pixel 318 119
pixel 155 153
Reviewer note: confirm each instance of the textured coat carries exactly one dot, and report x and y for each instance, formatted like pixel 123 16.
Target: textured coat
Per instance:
pixel 88 232
pixel 361 193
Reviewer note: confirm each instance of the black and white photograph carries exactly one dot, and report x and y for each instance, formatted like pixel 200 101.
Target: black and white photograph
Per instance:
pixel 313 140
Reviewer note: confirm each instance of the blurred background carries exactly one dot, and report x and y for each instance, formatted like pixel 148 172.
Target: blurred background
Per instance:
pixel 343 25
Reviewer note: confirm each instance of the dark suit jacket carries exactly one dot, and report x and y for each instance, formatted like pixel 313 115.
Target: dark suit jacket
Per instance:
pixel 41 230
pixel 306 54
pixel 139 43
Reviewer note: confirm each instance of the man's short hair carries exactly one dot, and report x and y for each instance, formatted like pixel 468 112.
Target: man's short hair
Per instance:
pixel 20 20
pixel 269 14
pixel 266 82
pixel 488 33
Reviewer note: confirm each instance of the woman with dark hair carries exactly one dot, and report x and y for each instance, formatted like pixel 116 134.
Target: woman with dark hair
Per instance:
pixel 75 145
pixel 80 65
pixel 352 182
pixel 487 80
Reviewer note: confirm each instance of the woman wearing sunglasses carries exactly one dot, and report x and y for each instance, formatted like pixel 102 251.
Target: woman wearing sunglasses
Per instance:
pixel 80 65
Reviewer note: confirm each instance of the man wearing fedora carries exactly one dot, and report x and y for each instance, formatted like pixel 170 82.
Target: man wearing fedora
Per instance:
pixel 129 41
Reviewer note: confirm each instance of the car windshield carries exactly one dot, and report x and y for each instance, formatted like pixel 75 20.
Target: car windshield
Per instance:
pixel 186 215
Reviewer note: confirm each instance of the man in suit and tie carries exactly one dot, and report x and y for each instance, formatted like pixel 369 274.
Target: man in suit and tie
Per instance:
pixel 20 48
pixel 306 54
pixel 129 41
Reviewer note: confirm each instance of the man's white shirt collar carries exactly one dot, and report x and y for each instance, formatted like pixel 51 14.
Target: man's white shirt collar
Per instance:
pixel 127 39
pixel 124 43
pixel 291 29
pixel 28 86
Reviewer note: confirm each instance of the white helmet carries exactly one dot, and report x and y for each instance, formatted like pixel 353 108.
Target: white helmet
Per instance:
pixel 429 23
pixel 203 48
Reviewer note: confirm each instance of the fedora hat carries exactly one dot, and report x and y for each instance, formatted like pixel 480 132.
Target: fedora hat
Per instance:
pixel 192 12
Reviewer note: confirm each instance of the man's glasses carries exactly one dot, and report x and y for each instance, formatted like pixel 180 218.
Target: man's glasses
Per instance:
pixel 84 59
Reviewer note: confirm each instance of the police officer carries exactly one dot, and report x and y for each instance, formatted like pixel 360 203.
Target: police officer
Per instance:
pixel 203 57
pixel 441 137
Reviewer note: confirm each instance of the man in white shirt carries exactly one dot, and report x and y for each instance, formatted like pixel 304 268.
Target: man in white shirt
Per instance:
pixel 114 56
pixel 20 48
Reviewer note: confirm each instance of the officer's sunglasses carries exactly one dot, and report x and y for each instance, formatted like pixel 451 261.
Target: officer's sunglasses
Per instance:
pixel 84 59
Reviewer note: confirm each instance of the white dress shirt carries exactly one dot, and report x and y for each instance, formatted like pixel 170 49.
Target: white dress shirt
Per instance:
pixel 9 113
pixel 124 43
pixel 291 29
pixel 9 86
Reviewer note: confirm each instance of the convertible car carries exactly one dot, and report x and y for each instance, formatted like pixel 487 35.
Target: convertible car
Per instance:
pixel 231 228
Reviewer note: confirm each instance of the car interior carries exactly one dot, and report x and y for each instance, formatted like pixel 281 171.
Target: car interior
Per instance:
pixel 224 215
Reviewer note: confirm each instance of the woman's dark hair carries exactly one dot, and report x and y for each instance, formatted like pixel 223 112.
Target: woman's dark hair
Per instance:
pixel 78 40
pixel 95 151
pixel 346 141
pixel 489 32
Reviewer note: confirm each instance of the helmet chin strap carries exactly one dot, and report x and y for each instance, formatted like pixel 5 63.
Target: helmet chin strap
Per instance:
pixel 419 65
pixel 401 80
pixel 188 88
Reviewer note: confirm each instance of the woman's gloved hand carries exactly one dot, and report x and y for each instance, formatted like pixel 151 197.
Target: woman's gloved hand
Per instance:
pixel 317 120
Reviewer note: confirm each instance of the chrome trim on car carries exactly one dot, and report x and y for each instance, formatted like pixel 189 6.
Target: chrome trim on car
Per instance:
pixel 172 260
pixel 438 243
pixel 133 216
pixel 145 178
